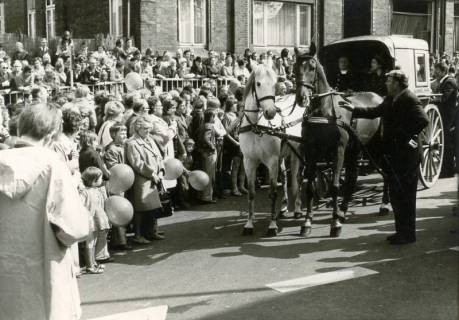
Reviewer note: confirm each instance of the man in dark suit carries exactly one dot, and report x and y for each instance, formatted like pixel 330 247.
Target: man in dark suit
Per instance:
pixel 345 79
pixel 91 75
pixel 448 108
pixel 403 118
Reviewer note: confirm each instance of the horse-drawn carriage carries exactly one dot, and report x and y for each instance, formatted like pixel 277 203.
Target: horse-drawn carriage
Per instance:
pixel 328 132
pixel 411 56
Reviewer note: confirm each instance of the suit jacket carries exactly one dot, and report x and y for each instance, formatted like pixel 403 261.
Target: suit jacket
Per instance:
pixel 402 119
pixel 345 81
pixel 87 74
pixel 447 105
pixel 145 159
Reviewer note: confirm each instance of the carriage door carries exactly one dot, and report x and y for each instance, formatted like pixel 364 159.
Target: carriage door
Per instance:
pixel 422 71
pixel 404 60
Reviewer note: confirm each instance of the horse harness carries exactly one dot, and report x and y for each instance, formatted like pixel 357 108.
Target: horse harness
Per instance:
pixel 269 130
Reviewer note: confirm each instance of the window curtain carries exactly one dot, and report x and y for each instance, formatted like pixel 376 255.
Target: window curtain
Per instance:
pixel 185 27
pixel 281 23
pixel 304 25
pixel 456 34
pixel 258 22
pixel 414 25
pixel 199 21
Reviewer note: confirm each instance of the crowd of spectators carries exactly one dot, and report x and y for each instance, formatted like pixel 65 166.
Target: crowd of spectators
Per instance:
pixel 143 127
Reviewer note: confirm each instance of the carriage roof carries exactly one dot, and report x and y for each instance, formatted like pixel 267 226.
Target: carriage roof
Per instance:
pixel 390 42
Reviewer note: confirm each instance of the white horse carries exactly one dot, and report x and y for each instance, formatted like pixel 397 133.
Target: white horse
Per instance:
pixel 257 146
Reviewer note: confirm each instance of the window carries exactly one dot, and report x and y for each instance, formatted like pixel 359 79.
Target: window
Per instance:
pixel 2 18
pixel 413 18
pixel 116 17
pixel 421 69
pixel 192 21
pixel 50 19
pixel 456 26
pixel 281 24
pixel 31 25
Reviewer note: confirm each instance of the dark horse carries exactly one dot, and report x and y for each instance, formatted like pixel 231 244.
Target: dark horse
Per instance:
pixel 328 136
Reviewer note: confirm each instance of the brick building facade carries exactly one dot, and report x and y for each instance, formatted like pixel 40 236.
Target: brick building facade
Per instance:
pixel 234 25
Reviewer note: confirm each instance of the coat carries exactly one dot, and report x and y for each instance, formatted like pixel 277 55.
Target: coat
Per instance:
pixel 447 105
pixel 403 118
pixel 146 161
pixel 41 216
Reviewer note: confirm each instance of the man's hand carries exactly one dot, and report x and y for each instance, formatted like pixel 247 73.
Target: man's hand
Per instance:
pixel 346 105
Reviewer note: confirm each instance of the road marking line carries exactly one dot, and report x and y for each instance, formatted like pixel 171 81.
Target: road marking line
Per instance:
pixel 320 279
pixel 153 313
pixel 454 248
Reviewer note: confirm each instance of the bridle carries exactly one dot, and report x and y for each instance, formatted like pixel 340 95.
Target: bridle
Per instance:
pixel 315 97
pixel 258 100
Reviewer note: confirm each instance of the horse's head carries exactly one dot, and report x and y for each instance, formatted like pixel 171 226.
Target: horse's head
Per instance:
pixel 261 84
pixel 308 74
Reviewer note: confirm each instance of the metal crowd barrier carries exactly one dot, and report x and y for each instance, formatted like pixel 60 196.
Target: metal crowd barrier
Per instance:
pixel 118 88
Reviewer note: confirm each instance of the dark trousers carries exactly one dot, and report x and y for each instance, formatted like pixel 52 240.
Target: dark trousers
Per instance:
pixel 402 192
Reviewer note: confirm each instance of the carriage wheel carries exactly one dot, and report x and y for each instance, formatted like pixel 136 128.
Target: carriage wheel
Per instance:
pixel 432 140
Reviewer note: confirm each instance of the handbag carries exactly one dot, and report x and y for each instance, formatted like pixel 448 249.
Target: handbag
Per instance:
pixel 166 209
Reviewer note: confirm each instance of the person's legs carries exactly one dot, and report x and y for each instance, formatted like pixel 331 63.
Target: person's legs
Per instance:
pixel 209 162
pixel 408 214
pixel 101 248
pixel 395 194
pixel 90 242
pixel 236 164
pixel 242 177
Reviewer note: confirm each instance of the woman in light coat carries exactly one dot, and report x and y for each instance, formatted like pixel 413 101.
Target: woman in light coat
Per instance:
pixel 41 217
pixel 144 157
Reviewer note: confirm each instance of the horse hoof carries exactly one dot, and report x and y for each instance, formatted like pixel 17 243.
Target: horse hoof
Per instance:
pixel 271 233
pixel 383 211
pixel 298 215
pixel 247 232
pixel 305 231
pixel 335 232
pixel 283 211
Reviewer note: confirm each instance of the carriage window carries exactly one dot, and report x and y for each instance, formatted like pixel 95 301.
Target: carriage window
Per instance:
pixel 281 23
pixel 421 68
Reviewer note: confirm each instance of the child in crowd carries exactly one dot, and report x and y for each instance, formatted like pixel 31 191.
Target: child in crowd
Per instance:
pixel 93 197
pixel 207 148
pixel 183 188
pixel 232 152
pixel 89 156
pixel 113 155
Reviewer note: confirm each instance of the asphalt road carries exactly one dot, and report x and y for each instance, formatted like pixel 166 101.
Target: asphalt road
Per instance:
pixel 206 269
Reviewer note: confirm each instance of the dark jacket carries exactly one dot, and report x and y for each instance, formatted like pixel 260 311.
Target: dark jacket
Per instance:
pixel 199 72
pixel 207 139
pixel 447 105
pixel 376 84
pixel 90 77
pixel 91 158
pixel 402 120
pixel 345 81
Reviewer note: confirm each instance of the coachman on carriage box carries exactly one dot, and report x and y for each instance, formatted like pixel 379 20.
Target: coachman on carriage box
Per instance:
pixel 403 118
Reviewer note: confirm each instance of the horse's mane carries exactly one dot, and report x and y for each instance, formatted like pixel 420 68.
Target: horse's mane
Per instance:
pixel 321 73
pixel 258 69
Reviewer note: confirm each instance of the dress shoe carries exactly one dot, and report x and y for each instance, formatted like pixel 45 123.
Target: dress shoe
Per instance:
pixel 392 236
pixel 140 240
pixel 207 201
pixel 401 240
pixel 156 236
pixel 108 260
pixel 122 247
